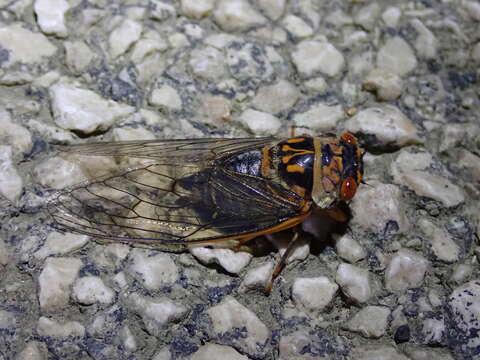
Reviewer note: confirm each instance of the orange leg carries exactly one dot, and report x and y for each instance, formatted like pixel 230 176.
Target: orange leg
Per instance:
pixel 281 263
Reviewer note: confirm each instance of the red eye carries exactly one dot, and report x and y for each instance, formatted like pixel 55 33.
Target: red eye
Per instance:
pixel 348 189
pixel 349 139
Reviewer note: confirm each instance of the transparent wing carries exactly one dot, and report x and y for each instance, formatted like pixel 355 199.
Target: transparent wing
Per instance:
pixel 166 203
pixel 170 151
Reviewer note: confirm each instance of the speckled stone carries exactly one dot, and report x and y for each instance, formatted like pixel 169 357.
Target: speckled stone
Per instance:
pixel 57 329
pixel 320 117
pixel 212 351
pixel 11 184
pixel 441 242
pixel 80 109
pixel 18 41
pixel 60 243
pixel 349 249
pixel 397 56
pixel 156 313
pixel 124 36
pixel 14 134
pixel 311 57
pixel 387 124
pixel 231 261
pixel 406 270
pixel 4 253
pixel 55 280
pixel 51 16
pixel 276 98
pixel 312 295
pixel 89 290
pixel 376 205
pixel 370 322
pixel 237 15
pixel 411 169
pixel 464 303
pixel 153 269
pixel 354 282
pixel 260 123
pixel 33 350
pixel 230 315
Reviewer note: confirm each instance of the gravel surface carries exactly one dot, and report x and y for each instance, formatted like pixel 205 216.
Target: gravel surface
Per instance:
pixel 402 282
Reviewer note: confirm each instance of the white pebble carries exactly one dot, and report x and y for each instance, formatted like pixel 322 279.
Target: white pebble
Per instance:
pixel 166 96
pixel 89 290
pixel 461 272
pixel 78 55
pixel 276 98
pixel 387 123
pixel 272 8
pixel 470 162
pixel 155 270
pixel 406 270
pixel 317 84
pixel 367 16
pixel 11 184
pixel 128 340
pixel 60 243
pixel 197 9
pixel 14 134
pixel 370 322
pixel 441 243
pixel 161 10
pixel 56 329
pixel 300 251
pixel 58 173
pixel 256 278
pixel 55 280
pixel 150 44
pixel 124 36
pixel 320 117
pixel 157 313
pixel 472 8
pixel 231 261
pixel 354 282
pixel 464 303
pixel 391 16
pixel 230 315
pixel 24 46
pixel 260 123
pixel 349 249
pixel 310 57
pixel 397 56
pixel 426 43
pixel 433 330
pixel 51 16
pixel 4 253
pixel 237 15
pixel 374 206
pixel 128 134
pixel 75 108
pixel 297 26
pixel 388 86
pixel 313 294
pixel 411 170
pixel 213 351
pixel 34 350
pixel 208 63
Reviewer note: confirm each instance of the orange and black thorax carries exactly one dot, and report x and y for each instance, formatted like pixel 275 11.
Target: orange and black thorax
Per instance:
pixel 322 168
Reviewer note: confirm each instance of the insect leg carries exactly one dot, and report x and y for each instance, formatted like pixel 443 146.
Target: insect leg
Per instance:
pixel 281 263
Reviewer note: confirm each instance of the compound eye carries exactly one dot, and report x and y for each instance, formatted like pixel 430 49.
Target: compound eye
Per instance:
pixel 349 139
pixel 348 189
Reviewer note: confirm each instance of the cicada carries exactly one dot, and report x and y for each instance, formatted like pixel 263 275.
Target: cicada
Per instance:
pixel 172 194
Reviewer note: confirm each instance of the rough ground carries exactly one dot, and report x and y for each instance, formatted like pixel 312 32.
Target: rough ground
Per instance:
pixel 402 283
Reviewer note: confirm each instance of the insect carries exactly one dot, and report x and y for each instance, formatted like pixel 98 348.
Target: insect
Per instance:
pixel 171 194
